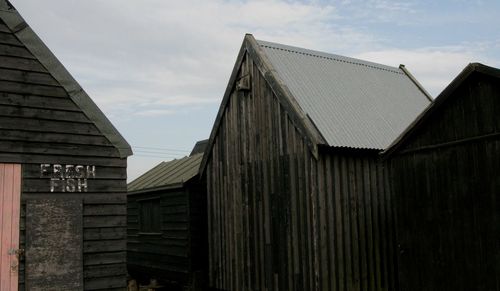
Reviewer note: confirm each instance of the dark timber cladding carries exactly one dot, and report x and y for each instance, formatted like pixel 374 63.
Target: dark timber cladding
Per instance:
pixel 167 238
pixel 73 200
pixel 444 173
pixel 288 208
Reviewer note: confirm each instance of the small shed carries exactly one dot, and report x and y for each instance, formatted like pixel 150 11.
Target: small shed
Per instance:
pixel 167 223
pixel 62 174
pixel 296 195
pixel 445 179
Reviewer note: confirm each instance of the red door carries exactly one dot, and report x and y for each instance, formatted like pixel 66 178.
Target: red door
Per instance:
pixel 10 194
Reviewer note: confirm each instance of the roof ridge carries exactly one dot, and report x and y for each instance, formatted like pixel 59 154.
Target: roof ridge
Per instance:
pixel 32 42
pixel 395 70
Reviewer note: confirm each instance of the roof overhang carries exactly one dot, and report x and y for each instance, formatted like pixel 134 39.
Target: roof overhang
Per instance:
pixel 303 123
pixel 437 103
pixel 35 45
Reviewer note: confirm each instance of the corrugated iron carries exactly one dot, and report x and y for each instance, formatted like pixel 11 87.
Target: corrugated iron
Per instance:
pixel 353 103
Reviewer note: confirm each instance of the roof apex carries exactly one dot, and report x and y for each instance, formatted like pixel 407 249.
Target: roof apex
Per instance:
pixel 35 45
pixel 438 102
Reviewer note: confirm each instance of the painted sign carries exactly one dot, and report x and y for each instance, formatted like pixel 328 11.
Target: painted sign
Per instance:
pixel 68 178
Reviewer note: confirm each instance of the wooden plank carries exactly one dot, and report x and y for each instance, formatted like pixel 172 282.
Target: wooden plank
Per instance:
pixel 105 283
pixel 104 258
pixel 102 246
pixel 15 51
pixel 105 271
pixel 39 113
pixel 15 75
pixel 109 209
pixel 32 89
pixel 100 233
pixel 323 227
pixel 339 225
pixel 93 185
pixel 24 64
pixel 27 148
pixel 369 226
pixel 360 189
pixel 4 28
pixel 9 38
pixel 33 101
pixel 104 221
pixel 44 137
pixel 45 125
pixel 33 171
pixel 332 223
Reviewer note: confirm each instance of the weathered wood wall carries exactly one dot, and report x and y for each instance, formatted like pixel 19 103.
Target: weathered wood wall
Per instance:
pixel 165 254
pixel 178 252
pixel 39 123
pixel 280 219
pixel 445 183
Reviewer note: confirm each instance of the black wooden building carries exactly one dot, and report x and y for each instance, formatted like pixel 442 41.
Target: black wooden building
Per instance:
pixel 62 174
pixel 445 180
pixel 167 223
pixel 296 195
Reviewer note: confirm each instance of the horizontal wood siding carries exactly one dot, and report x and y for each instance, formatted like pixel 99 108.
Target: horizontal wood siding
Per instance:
pixel 39 123
pixel 166 254
pixel 445 183
pixel 279 219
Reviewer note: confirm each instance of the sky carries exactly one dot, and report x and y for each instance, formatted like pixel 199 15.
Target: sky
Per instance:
pixel 158 69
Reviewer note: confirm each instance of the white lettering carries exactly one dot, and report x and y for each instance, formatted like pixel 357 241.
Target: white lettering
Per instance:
pixel 68 178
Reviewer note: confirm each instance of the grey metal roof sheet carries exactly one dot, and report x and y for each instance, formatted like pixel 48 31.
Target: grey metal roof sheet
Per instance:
pixel 353 103
pixel 175 172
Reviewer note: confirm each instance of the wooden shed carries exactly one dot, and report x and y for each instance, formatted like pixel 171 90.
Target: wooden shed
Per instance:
pixel 62 174
pixel 445 178
pixel 167 237
pixel 296 195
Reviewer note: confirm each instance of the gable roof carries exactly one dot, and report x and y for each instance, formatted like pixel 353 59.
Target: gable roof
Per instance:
pixel 443 97
pixel 353 103
pixel 14 21
pixel 167 175
pixel 333 100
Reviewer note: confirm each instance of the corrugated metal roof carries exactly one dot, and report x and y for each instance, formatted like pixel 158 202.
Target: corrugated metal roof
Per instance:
pixel 353 103
pixel 170 173
pixel 199 147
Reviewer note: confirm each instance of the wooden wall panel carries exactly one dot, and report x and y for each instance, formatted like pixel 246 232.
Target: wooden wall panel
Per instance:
pixel 165 254
pixel 445 183
pixel 280 219
pixel 40 124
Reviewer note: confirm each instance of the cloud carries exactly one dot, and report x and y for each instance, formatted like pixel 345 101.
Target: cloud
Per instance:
pixel 159 64
pixel 172 53
pixel 153 112
pixel 433 67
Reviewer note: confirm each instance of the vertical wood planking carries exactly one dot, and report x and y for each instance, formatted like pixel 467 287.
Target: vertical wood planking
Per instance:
pixel 287 221
pixel 10 193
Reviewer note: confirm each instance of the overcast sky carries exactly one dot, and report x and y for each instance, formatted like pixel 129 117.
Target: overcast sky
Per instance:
pixel 158 68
